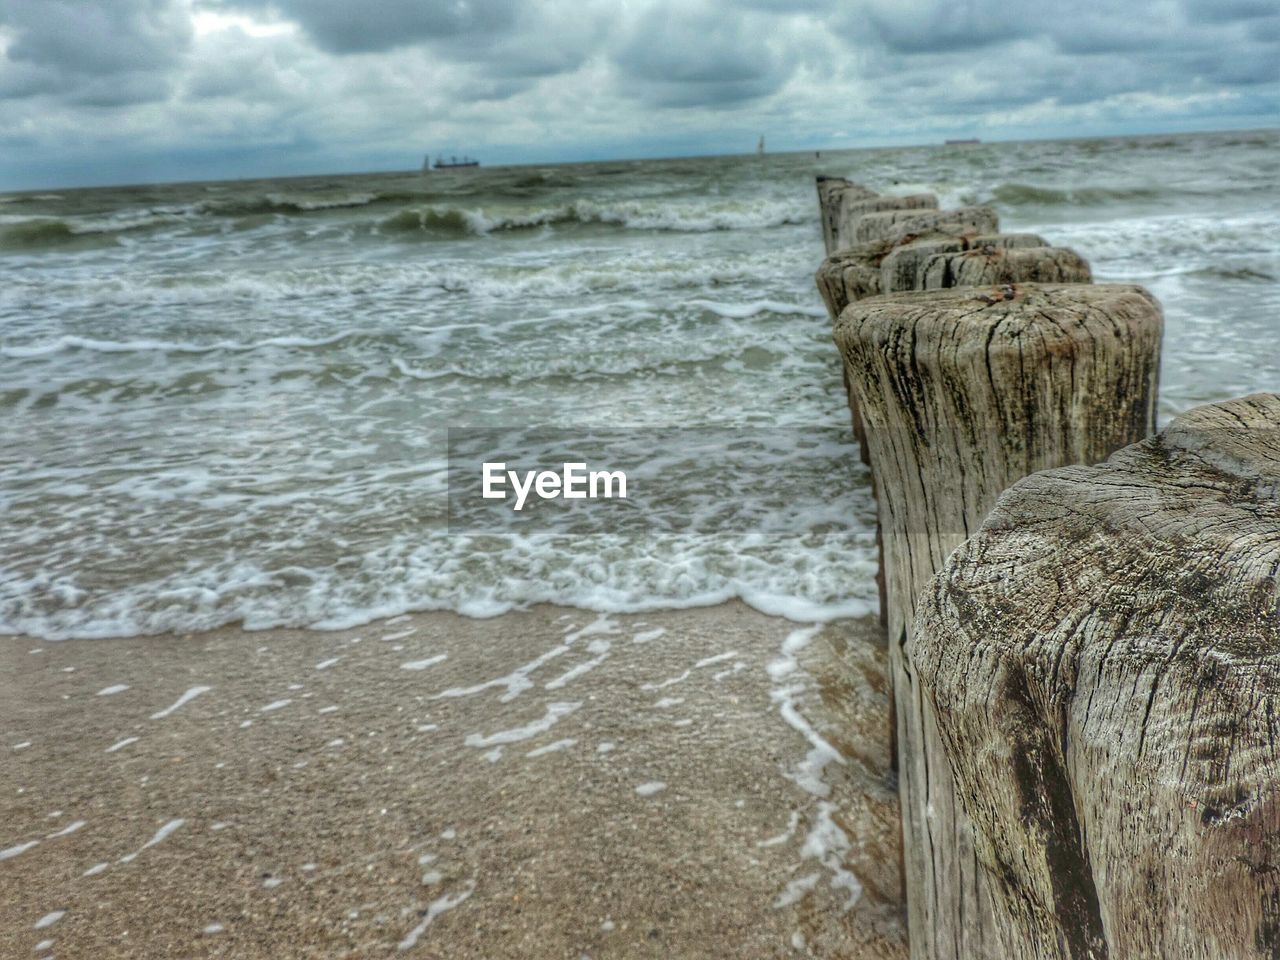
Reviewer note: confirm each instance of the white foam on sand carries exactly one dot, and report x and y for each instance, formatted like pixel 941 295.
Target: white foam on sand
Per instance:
pixel 516 682
pixel 436 907
pixel 651 787
pixel 598 647
pixel 181 702
pixel 718 658
pixel 18 850
pixel 669 682
pixel 67 830
pixel 809 774
pixel 326 664
pixel 274 706
pixel 49 919
pixel 796 889
pixel 96 869
pixel 552 748
pixel 648 635
pixel 120 745
pixel 160 835
pixel 737 667
pixel 555 713
pixel 829 845
pixel 213 928
pixel 785 835
pixel 826 841
pixel 423 664
pixel 113 690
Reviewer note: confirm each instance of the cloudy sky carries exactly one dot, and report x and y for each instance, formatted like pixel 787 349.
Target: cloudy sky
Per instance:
pixel 103 91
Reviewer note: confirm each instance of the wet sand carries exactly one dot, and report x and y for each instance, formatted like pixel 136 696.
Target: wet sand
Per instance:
pixel 547 784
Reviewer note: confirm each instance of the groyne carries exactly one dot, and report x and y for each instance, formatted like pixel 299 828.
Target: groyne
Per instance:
pixel 974 359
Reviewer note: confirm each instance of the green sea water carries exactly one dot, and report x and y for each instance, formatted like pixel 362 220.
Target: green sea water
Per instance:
pixel 228 402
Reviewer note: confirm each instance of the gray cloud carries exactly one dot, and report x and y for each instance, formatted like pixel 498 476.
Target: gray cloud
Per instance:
pixel 1225 11
pixel 680 54
pixel 343 26
pixel 92 37
pixel 332 83
pixel 94 53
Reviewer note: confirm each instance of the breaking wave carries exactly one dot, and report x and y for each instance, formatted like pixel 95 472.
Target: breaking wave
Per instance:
pixel 1023 194
pixel 639 215
pixel 43 233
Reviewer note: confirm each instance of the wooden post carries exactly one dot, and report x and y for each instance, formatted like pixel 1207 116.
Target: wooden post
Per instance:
pixel 853 209
pixel 904 268
pixel 990 266
pixel 897 224
pixel 850 275
pixel 963 392
pixel 833 194
pixel 937 260
pixel 1103 659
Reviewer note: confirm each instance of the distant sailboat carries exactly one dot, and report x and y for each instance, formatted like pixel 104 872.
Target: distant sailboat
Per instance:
pixel 760 146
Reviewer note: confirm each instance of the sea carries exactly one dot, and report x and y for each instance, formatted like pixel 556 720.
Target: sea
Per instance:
pixel 232 402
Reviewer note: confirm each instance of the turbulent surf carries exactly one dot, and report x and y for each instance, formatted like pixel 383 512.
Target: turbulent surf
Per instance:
pixel 231 401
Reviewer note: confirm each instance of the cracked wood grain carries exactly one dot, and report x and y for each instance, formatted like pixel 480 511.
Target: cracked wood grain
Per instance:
pixel 896 224
pixel 832 192
pixel 963 394
pixel 1103 659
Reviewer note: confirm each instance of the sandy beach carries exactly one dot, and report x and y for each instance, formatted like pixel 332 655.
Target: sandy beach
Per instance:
pixel 551 783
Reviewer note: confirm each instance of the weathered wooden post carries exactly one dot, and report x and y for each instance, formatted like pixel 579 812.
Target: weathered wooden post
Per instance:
pixel 854 209
pixel 842 203
pixel 1103 660
pixel 832 192
pixel 936 261
pixel 963 392
pixel 898 223
pixel 904 267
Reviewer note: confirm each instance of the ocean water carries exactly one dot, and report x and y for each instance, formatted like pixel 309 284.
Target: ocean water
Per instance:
pixel 229 402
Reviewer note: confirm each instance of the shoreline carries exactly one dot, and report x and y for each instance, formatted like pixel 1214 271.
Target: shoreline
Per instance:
pixel 550 782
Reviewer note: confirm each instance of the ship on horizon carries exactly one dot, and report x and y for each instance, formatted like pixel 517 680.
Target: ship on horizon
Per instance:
pixel 450 164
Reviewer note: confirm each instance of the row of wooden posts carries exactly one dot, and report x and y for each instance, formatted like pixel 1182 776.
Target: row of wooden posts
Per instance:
pixel 1085 659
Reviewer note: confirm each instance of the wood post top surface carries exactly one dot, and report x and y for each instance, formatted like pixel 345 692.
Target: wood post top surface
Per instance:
pixel 1181 530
